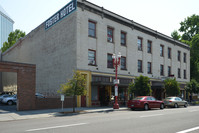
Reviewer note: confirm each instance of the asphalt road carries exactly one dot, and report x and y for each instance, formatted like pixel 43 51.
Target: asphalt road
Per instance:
pixel 171 120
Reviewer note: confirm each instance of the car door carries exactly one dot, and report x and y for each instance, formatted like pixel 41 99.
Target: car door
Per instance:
pixel 181 103
pixel 155 103
pixel 150 102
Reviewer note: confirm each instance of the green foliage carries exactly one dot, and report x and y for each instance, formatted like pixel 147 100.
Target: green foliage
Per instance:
pixel 12 39
pixel 171 87
pixel 190 27
pixel 192 87
pixel 141 87
pixel 175 35
pixel 75 86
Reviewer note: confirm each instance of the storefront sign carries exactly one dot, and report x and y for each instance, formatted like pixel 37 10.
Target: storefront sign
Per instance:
pixel 65 11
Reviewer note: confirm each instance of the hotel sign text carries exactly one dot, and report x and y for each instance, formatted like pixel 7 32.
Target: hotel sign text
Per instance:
pixel 65 11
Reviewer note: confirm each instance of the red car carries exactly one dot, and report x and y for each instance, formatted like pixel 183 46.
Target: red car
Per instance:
pixel 145 102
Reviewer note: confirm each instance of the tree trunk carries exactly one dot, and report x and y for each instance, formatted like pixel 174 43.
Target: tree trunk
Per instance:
pixel 74 102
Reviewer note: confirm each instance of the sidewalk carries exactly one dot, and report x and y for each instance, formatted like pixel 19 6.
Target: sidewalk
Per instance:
pixel 21 115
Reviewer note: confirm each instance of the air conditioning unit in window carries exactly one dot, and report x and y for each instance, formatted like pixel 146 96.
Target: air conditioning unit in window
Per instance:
pixel 110 39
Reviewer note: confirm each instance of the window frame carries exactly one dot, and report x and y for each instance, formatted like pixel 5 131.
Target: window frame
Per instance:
pixel 179 73
pixel 95 23
pixel 169 71
pixel 108 66
pixel 185 74
pixel 179 56
pixel 94 57
pixel 112 36
pixel 140 45
pixel 149 71
pixel 149 42
pixel 125 68
pixel 162 50
pixel 123 33
pixel 161 70
pixel 169 53
pixel 140 70
pixel 185 58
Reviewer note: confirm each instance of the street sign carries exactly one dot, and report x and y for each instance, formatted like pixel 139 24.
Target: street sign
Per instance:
pixel 116 81
pixel 62 97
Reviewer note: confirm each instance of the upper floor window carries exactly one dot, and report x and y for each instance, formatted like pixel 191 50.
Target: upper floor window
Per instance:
pixel 162 50
pixel 139 65
pixel 162 70
pixel 149 47
pixel 92 29
pixel 110 34
pixel 123 38
pixel 185 57
pixel 139 42
pixel 109 61
pixel 169 71
pixel 91 57
pixel 179 73
pixel 149 70
pixel 169 53
pixel 185 74
pixel 179 55
pixel 123 63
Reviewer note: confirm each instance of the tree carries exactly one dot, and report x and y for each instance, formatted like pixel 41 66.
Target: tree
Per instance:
pixel 12 39
pixel 189 27
pixel 175 35
pixel 141 87
pixel 74 87
pixel 192 87
pixel 171 87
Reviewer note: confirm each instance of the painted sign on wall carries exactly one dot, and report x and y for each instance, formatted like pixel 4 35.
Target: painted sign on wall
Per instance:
pixel 65 11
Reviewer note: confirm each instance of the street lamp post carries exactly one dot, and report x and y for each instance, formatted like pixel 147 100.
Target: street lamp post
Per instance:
pixel 116 63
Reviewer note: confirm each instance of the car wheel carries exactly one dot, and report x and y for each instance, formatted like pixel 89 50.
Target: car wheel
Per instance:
pixel 161 106
pixel 146 107
pixel 10 102
pixel 175 105
pixel 132 109
pixel 185 105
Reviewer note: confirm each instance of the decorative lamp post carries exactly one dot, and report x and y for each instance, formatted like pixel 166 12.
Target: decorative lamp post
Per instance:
pixel 116 63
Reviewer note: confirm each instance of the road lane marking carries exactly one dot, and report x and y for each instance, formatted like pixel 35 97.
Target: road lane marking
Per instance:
pixel 45 128
pixel 188 130
pixel 150 115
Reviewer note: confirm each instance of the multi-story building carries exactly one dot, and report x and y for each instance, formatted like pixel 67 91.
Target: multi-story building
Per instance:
pixel 85 40
pixel 6 26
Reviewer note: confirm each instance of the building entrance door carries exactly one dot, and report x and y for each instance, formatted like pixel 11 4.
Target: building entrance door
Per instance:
pixel 103 96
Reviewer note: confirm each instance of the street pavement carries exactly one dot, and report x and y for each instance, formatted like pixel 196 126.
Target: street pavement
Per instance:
pixel 9 113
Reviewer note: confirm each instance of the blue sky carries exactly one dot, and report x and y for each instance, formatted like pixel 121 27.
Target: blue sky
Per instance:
pixel 161 15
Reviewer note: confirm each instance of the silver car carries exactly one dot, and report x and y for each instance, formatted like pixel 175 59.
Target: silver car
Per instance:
pixel 175 102
pixel 10 100
pixel 3 96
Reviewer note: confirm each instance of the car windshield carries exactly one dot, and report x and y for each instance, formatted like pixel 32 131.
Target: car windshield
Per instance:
pixel 138 98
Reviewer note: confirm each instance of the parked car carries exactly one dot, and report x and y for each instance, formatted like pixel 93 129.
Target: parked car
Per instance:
pixel 175 102
pixel 145 102
pixel 3 96
pixel 39 95
pixel 10 100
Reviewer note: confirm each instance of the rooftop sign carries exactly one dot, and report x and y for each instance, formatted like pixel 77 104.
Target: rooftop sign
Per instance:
pixel 65 11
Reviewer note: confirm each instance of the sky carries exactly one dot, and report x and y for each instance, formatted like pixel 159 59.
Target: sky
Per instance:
pixel 163 16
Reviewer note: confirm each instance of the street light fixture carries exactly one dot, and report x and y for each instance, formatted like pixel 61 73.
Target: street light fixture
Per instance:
pixel 116 63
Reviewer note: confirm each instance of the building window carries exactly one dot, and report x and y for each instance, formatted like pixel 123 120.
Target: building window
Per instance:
pixel 149 47
pixel 139 66
pixel 185 74
pixel 109 61
pixel 91 57
pixel 139 42
pixel 169 53
pixel 162 50
pixel 179 55
pixel 110 34
pixel 123 63
pixel 162 70
pixel 179 75
pixel 149 70
pixel 169 71
pixel 185 57
pixel 123 38
pixel 92 29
